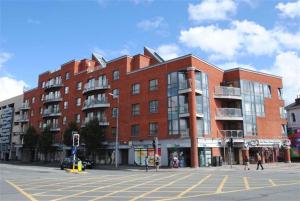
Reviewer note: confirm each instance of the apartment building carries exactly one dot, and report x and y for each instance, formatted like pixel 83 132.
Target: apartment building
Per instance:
pixel 11 135
pixel 194 108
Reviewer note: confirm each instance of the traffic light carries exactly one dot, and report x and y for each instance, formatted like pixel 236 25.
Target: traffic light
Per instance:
pixel 154 144
pixel 76 140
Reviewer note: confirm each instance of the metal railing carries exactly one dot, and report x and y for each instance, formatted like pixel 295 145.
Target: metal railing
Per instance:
pixel 229 112
pixel 51 113
pixel 102 120
pixel 232 133
pixel 95 103
pixel 53 85
pixel 52 98
pixel 227 91
pixel 25 106
pixel 96 86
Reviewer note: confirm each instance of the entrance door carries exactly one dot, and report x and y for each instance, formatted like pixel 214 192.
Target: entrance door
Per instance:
pixel 124 156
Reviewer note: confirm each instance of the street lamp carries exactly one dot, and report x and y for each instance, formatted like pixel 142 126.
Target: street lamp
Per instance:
pixel 117 129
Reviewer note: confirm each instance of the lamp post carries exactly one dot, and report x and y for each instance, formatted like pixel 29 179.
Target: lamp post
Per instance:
pixel 117 130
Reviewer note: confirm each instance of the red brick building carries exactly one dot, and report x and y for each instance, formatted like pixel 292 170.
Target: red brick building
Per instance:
pixel 191 106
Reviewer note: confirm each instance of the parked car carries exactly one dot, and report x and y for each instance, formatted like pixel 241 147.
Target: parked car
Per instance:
pixel 88 164
pixel 68 163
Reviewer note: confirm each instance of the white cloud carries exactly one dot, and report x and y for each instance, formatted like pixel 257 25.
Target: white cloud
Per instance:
pixel 212 10
pixel 11 87
pixel 290 9
pixel 168 51
pixel 151 24
pixel 230 65
pixel 4 57
pixel 287 65
pixel 33 21
pixel 242 37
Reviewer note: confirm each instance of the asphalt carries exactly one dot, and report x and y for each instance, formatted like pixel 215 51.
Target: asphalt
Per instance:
pixel 278 181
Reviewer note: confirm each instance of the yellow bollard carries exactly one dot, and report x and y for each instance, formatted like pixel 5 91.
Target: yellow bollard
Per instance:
pixel 79 165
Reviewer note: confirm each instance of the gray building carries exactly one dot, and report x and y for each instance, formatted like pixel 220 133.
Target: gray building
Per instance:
pixel 293 115
pixel 11 133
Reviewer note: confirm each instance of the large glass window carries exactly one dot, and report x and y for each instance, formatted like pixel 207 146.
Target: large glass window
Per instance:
pixel 114 112
pixel 115 93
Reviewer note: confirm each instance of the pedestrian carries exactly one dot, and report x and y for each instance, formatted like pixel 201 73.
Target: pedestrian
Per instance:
pixel 157 162
pixel 246 163
pixel 146 163
pixel 259 162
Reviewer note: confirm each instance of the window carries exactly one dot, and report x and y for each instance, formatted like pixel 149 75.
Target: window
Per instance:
pixel 135 89
pixel 280 93
pixel 115 93
pixel 113 131
pixel 267 91
pixel 116 75
pixel 153 85
pixel 153 106
pixel 67 76
pixel 114 112
pixel 78 118
pixel 33 100
pixel 283 129
pixel 135 129
pixel 42 97
pixel 66 105
pixel 41 110
pixel 78 101
pixel 293 117
pixel 282 113
pixel 153 128
pixel 66 90
pixel 64 120
pixel 40 124
pixel 43 85
pixel 135 109
pixel 78 85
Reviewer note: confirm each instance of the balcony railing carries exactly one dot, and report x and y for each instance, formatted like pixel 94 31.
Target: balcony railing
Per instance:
pixel 25 106
pixel 23 119
pixel 229 114
pixel 96 86
pixel 232 133
pixel 49 99
pixel 53 85
pixel 102 121
pixel 227 92
pixel 89 104
pixel 51 113
pixel 54 128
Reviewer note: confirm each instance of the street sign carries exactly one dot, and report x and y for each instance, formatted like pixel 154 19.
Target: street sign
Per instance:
pixel 74 150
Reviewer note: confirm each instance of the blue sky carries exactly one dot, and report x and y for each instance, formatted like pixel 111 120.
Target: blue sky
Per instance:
pixel 36 36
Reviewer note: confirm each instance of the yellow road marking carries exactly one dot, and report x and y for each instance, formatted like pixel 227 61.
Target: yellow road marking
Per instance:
pixel 246 183
pixel 220 187
pixel 28 196
pixel 122 190
pixel 272 182
pixel 194 186
pixel 101 187
pixel 156 189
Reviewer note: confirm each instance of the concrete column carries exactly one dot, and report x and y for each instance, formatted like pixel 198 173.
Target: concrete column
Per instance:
pixel 193 118
pixel 287 154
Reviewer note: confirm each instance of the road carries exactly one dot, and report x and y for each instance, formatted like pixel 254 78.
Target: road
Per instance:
pixel 276 182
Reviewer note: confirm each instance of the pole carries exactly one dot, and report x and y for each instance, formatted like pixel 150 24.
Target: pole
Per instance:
pixel 230 157
pixel 224 153
pixel 117 134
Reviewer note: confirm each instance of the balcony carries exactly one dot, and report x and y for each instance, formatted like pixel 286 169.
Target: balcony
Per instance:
pixel 185 87
pixel 234 114
pixel 54 128
pixel 52 99
pixel 97 86
pixel 23 119
pixel 25 106
pixel 102 121
pixel 223 92
pixel 53 85
pixel 232 133
pixel 95 104
pixel 51 113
